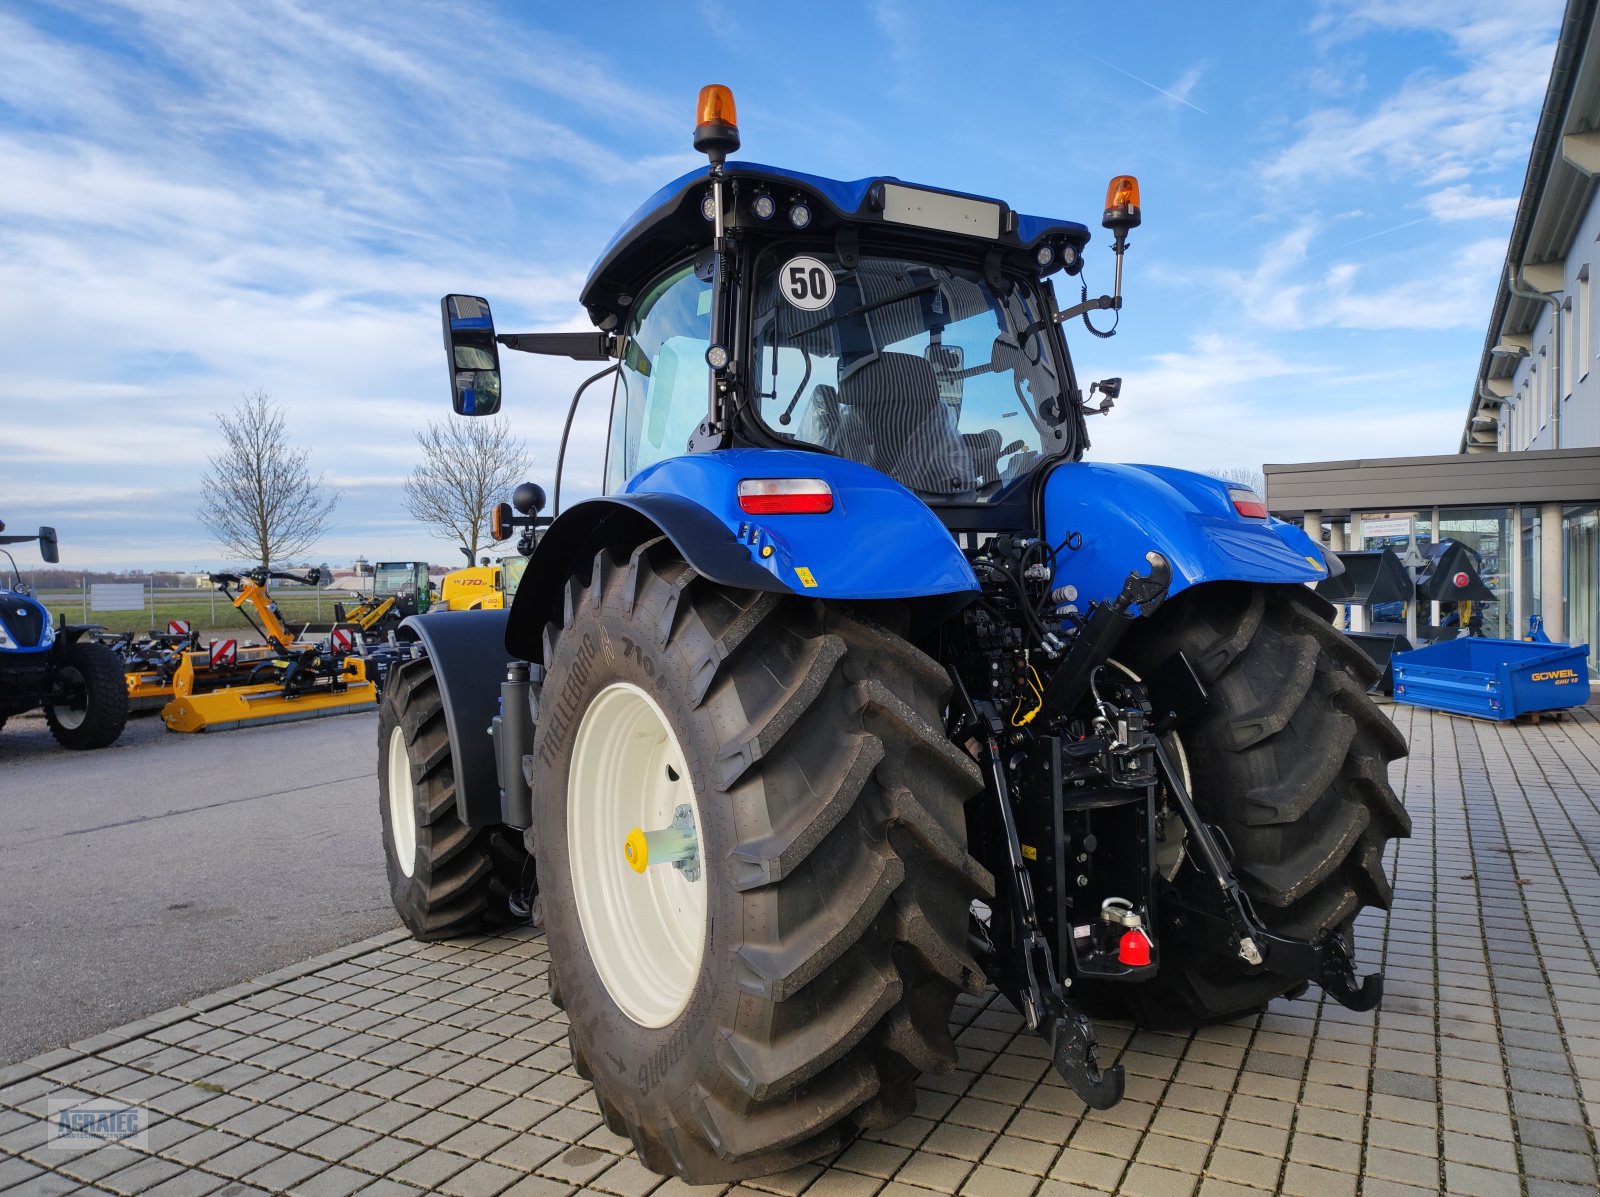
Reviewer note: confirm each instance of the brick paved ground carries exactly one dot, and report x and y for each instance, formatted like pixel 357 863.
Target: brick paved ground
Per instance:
pixel 397 1067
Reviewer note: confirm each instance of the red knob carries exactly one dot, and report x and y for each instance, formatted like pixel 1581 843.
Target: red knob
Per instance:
pixel 1134 949
pixel 1461 581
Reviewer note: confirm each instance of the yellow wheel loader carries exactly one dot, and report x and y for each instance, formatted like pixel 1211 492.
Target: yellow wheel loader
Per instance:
pixel 482 587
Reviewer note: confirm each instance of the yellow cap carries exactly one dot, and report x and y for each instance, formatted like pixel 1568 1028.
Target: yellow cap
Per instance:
pixel 637 850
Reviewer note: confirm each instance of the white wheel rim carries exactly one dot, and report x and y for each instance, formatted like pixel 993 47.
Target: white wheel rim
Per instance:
pixel 402 804
pixel 70 718
pixel 645 931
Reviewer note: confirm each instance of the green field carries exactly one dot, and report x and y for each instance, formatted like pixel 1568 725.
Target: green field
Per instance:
pixel 205 610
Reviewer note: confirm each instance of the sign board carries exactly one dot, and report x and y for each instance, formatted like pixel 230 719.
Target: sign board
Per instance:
pixel 341 640
pixel 1385 528
pixel 224 653
pixel 117 596
pixel 178 627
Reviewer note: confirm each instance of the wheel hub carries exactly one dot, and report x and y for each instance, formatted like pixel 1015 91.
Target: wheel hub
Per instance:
pixel 644 924
pixel 677 845
pixel 71 712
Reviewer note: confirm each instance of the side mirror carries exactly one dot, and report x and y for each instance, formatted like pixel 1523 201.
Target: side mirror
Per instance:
pixel 472 355
pixel 49 547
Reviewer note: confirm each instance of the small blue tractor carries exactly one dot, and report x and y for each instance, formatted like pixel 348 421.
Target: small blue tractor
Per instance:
pixel 859 689
pixel 77 681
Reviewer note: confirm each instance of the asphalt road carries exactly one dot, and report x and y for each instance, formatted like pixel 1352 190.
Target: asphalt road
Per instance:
pixel 167 866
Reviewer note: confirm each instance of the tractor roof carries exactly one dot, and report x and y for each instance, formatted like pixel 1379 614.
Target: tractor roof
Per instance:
pixel 670 224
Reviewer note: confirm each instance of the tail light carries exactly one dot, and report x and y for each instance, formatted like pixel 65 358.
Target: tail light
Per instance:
pixel 1248 504
pixel 785 496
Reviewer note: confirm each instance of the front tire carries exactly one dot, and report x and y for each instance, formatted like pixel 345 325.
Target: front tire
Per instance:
pixel 445 878
pixel 1290 759
pixel 94 708
pixel 815 983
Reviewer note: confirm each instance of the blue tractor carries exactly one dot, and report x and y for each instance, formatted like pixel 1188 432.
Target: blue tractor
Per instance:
pixel 859 689
pixel 77 682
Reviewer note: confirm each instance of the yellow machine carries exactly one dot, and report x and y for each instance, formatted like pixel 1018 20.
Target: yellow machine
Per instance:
pixel 399 589
pixel 149 666
pixel 283 681
pixel 306 685
pixel 481 587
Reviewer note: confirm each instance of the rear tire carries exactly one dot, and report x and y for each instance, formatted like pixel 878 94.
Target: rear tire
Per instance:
pixel 1290 758
pixel 445 878
pixel 835 903
pixel 97 710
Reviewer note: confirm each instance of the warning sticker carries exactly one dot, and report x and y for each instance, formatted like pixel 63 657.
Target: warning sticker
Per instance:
pixel 805 577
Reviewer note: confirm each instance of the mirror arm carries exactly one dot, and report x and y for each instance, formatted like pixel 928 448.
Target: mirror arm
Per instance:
pixel 581 347
pixel 1102 303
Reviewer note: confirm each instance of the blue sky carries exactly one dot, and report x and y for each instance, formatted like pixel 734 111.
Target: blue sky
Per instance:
pixel 206 198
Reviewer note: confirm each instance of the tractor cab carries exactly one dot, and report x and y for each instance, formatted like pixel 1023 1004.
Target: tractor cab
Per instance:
pixel 404 581
pixel 905 328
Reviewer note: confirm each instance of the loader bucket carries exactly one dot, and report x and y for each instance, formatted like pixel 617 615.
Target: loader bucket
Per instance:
pixel 1381 647
pixel 1370 576
pixel 1452 577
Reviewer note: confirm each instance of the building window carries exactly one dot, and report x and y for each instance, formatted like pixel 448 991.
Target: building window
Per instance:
pixel 1489 532
pixel 1530 563
pixel 1564 336
pixel 1580 534
pixel 1582 318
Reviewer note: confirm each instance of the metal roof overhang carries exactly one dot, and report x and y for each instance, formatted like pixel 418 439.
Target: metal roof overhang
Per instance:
pixel 1340 488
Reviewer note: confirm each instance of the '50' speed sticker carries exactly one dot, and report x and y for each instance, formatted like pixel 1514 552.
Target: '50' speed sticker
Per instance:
pixel 806 283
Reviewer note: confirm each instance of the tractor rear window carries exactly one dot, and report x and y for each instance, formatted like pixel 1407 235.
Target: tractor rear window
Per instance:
pixel 915 368
pixel 664 382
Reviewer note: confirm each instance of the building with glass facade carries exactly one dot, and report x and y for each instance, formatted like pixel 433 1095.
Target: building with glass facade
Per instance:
pixel 1531 517
pixel 1523 490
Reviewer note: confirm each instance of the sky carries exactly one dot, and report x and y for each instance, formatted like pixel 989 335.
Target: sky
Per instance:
pixel 204 198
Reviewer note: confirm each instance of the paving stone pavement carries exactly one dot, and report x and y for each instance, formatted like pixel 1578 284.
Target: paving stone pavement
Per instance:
pixel 393 1067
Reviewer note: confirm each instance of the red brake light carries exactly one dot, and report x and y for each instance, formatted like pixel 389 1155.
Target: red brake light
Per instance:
pixel 785 496
pixel 1249 504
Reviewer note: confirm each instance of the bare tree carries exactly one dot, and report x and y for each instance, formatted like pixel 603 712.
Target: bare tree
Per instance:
pixel 467 467
pixel 1250 476
pixel 259 498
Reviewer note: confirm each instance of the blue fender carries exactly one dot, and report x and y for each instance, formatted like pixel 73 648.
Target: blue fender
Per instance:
pixel 879 542
pixel 1123 511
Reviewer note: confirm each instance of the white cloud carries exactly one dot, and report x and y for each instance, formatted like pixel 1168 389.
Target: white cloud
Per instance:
pixel 1463 203
pixel 1229 402
pixel 1437 127
pixel 1450 291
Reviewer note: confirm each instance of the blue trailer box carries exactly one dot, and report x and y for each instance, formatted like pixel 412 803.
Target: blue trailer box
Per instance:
pixel 1493 679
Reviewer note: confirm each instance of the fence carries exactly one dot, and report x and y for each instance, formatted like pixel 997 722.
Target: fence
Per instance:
pixel 142 606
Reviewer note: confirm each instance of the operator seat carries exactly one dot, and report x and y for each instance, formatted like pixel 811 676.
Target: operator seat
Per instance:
pixel 913 433
pixel 831 425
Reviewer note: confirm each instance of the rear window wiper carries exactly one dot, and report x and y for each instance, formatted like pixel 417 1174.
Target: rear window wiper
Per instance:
pixel 912 293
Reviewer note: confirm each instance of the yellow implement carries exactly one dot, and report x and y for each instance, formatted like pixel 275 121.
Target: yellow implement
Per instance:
pixel 298 690
pixel 288 680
